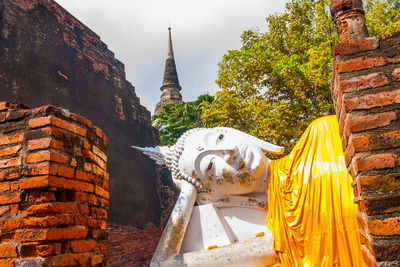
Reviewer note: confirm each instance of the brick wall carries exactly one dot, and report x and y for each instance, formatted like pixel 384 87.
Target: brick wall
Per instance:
pixel 48 57
pixel 53 188
pixel 366 92
pixel 129 246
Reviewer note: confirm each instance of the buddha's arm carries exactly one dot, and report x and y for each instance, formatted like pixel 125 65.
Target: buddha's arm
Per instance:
pixel 255 252
pixel 257 201
pixel 171 240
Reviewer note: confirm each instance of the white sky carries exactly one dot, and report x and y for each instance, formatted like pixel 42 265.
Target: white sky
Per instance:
pixel 202 31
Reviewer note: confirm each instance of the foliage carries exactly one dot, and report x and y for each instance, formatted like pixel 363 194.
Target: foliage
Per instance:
pixel 382 16
pixel 279 80
pixel 175 118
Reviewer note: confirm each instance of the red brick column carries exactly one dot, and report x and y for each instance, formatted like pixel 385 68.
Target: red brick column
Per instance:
pixel 366 92
pixel 53 188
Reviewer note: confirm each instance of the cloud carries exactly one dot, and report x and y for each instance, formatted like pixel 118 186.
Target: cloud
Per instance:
pixel 202 31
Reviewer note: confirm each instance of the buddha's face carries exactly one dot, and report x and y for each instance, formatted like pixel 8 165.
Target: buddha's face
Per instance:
pixel 224 160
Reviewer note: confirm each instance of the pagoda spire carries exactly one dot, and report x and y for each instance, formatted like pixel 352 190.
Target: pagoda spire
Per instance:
pixel 170 87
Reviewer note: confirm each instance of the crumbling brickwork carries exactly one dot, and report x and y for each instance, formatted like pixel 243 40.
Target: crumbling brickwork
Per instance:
pixel 53 188
pixel 48 57
pixel 129 246
pixel 366 92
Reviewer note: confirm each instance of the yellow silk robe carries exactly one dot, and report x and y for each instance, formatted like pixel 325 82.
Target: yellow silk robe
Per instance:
pixel 311 210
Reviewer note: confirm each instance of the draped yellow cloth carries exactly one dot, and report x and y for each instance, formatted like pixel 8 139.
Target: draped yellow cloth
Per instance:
pixel 311 210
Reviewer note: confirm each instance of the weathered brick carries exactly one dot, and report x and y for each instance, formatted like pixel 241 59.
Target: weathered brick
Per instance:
pixel 40 196
pixel 100 134
pixel 390 226
pixel 27 235
pixel 35 250
pixel 87 198
pixel 83 246
pixel 53 181
pixel 64 172
pixel 85 176
pixel 386 203
pixel 94 223
pixel 14 185
pixel 376 141
pixel 98 213
pixel 2 117
pixel 17 114
pixel 395 59
pixel 10 173
pixel 38 122
pixel 373 100
pixel 11 197
pixel 99 153
pixel 48 142
pixel 52 208
pixel 68 126
pixel 39 143
pixel 4 209
pixel 380 161
pixel 49 168
pixel 7 262
pixel 97 259
pixel 372 80
pixel 10 151
pixel 105 185
pixel 342 120
pixel 349 153
pixel 8 251
pixel 360 63
pixel 81 120
pixel 382 183
pixel 4 186
pixel 98 160
pixel 11 162
pixel 367 122
pixel 99 171
pixel 387 250
pixel 7 237
pixel 98 234
pixel 73 162
pixel 7 105
pixel 11 139
pixel 87 166
pixel 396 74
pixel 82 259
pixel 47 156
pixel 355 46
pixel 101 192
pixel 59 220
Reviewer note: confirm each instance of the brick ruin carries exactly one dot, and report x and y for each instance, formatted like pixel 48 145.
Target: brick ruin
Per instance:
pixel 366 93
pixel 54 188
pixel 48 57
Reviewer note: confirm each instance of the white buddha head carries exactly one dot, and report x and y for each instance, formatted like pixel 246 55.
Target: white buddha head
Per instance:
pixel 221 161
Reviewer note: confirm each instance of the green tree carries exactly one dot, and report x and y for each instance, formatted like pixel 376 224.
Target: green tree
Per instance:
pixel 279 80
pixel 175 118
pixel 382 16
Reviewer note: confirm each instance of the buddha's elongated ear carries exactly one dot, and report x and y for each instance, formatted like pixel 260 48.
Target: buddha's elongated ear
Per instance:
pixel 159 154
pixel 264 145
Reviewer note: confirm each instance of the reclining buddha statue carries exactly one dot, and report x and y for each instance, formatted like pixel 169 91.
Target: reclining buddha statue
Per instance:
pixel 239 208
